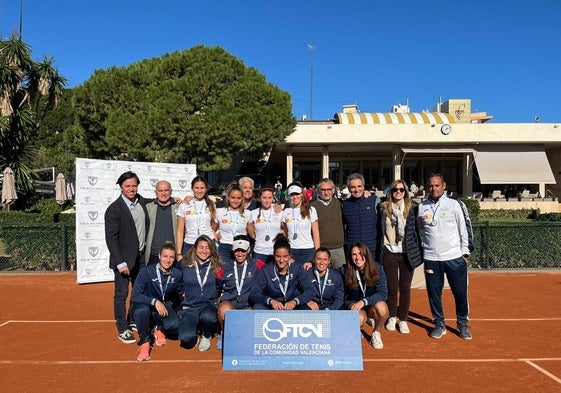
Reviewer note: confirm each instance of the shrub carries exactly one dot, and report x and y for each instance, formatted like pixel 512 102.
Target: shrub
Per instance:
pixel 473 208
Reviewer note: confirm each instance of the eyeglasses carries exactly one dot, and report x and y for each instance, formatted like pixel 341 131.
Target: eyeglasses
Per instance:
pixel 326 189
pixel 398 189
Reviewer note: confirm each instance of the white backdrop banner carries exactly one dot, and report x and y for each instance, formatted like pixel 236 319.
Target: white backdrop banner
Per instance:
pixel 96 189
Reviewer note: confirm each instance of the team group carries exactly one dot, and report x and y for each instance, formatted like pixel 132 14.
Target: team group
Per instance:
pixel 190 261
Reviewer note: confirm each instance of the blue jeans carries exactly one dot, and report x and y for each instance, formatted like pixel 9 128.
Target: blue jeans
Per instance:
pixel 303 255
pixel 146 317
pixel 263 257
pixel 456 273
pixel 193 319
pixel 225 251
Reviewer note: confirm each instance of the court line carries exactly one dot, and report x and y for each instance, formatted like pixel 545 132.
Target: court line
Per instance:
pixel 550 375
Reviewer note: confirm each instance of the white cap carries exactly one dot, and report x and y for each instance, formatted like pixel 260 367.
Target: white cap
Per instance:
pixel 294 190
pixel 240 244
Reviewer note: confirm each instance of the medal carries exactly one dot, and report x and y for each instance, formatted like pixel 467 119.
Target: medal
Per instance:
pixel 433 223
pixel 239 299
pixel 295 236
pixel 267 238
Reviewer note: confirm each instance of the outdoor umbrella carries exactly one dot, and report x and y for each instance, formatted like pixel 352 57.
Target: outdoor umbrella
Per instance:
pixel 8 188
pixel 60 190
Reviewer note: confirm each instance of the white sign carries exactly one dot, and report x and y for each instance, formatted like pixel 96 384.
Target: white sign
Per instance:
pixel 97 188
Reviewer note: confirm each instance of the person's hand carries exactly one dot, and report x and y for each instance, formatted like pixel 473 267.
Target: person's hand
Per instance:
pixel 290 305
pixel 161 309
pixel 187 199
pixel 277 305
pixel 367 194
pixel 307 265
pixel 217 236
pixel 277 208
pixel 177 200
pixel 357 306
pixel 124 271
pixel 313 305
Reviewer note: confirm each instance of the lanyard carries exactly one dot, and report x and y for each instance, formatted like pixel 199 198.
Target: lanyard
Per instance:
pixel 234 224
pixel 284 288
pixel 162 289
pixel 199 214
pixel 239 284
pixel 362 287
pixel 296 222
pixel 203 282
pixel 320 286
pixel 267 223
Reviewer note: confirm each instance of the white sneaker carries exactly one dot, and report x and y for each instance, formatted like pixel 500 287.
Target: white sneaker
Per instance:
pixel 371 322
pixel 390 325
pixel 403 328
pixel 204 344
pixel 376 340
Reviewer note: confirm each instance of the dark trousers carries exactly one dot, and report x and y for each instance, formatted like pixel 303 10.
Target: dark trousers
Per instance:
pixel 193 319
pixel 456 273
pixel 399 279
pixel 146 317
pixel 122 283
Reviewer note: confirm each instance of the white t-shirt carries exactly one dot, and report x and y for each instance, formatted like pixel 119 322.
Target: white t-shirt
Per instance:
pixel 266 222
pixel 197 220
pixel 302 227
pixel 231 223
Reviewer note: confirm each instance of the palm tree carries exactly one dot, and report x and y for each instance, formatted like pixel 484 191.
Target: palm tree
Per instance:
pixel 28 90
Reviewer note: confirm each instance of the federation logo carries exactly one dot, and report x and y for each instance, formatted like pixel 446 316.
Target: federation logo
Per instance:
pixel 275 330
pixel 93 214
pixel 182 183
pixel 153 182
pixel 93 251
pixel 92 180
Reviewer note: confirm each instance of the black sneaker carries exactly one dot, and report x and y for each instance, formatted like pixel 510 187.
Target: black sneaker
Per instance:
pixel 464 332
pixel 133 327
pixel 438 332
pixel 126 337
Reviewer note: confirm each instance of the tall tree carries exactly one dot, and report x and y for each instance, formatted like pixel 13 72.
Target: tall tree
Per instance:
pixel 28 90
pixel 199 106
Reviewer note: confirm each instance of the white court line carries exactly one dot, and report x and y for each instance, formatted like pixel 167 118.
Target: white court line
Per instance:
pixel 550 375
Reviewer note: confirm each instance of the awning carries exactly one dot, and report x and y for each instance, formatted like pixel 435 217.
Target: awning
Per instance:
pixel 513 165
pixel 394 118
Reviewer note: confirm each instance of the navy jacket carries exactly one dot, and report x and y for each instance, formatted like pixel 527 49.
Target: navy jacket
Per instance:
pixel 333 291
pixel 229 290
pixel 374 294
pixel 360 219
pixel 148 286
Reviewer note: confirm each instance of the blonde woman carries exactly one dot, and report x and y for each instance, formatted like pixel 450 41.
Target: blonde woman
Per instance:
pixel 399 273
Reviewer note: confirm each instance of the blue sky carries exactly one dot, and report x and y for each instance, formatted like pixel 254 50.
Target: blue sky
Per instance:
pixel 502 55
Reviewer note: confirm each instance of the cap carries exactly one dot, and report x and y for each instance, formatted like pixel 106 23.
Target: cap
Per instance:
pixel 294 190
pixel 240 244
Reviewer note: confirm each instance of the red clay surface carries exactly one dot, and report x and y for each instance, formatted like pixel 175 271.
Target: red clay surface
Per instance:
pixel 59 336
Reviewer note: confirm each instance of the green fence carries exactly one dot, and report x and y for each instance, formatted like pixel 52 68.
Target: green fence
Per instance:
pixel 504 246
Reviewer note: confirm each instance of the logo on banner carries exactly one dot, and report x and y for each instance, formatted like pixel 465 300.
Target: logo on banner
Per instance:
pixel 87 164
pixel 87 199
pixel 93 214
pixel 168 169
pixel 108 165
pixel 275 330
pixel 129 167
pixel 149 167
pixel 153 182
pixel 182 183
pixel 92 180
pixel 87 235
pixel 93 251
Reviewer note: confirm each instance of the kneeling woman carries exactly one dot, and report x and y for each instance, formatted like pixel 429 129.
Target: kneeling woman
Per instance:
pixel 237 280
pixel 281 285
pixel 198 310
pixel 156 293
pixel 366 290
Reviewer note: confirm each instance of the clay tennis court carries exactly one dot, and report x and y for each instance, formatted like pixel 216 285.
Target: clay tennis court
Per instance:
pixel 58 336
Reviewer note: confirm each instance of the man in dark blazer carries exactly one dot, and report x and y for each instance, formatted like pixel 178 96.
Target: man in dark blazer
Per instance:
pixel 126 224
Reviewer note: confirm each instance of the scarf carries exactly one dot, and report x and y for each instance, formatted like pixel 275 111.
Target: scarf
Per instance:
pixel 398 220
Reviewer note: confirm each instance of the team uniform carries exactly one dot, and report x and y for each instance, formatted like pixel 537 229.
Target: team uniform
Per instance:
pixel 230 224
pixel 297 284
pixel 198 310
pixel 196 215
pixel 370 295
pixel 267 225
pixel 329 289
pixel 152 285
pixel 237 281
pixel 300 233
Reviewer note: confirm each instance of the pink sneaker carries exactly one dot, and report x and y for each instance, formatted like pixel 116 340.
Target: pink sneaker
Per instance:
pixel 160 337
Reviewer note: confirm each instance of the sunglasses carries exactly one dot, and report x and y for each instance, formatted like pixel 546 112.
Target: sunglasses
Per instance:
pixel 398 189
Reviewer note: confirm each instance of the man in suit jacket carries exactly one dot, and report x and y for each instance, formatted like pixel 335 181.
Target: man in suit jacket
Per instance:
pixel 126 223
pixel 162 214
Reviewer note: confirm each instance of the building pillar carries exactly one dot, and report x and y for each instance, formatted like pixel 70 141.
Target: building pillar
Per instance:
pixel 324 161
pixel 467 171
pixel 541 190
pixel 397 160
pixel 289 165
